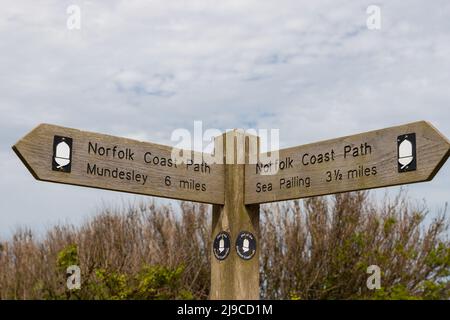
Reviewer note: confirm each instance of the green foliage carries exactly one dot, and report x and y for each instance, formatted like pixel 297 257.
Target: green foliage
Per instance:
pixel 157 282
pixel 389 225
pixel 295 296
pixel 110 285
pixel 151 283
pixel 430 290
pixel 439 258
pixel 436 290
pixel 397 292
pixel 68 257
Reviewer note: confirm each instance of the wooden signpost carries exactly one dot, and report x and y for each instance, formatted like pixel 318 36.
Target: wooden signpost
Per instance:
pixel 236 277
pixel 400 155
pixel 113 163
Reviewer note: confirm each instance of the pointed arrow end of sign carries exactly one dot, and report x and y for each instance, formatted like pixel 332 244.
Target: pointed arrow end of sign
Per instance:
pixel 446 147
pixel 21 147
pixel 16 149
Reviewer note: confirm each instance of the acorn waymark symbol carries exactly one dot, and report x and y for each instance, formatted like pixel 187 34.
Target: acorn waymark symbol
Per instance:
pixel 407 153
pixel 62 154
pixel 221 245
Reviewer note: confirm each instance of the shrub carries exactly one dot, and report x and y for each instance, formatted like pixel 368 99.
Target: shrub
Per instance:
pixel 318 248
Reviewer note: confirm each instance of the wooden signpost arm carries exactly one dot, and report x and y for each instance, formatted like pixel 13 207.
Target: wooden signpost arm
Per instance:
pixel 400 155
pixel 114 163
pixel 234 278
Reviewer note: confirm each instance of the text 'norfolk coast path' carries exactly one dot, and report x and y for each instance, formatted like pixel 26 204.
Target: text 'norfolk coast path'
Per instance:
pixel 393 156
pixel 71 156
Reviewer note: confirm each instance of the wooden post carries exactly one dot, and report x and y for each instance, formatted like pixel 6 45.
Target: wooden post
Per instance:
pixel 235 278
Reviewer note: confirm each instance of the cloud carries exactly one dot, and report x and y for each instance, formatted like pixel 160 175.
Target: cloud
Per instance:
pixel 144 68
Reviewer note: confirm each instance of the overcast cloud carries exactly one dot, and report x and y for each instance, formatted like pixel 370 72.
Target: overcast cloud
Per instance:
pixel 141 69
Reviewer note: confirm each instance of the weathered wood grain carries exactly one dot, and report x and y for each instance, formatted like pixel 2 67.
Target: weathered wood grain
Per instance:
pixel 234 278
pixel 379 167
pixel 36 152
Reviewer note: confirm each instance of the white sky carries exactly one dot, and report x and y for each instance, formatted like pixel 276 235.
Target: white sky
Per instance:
pixel 141 69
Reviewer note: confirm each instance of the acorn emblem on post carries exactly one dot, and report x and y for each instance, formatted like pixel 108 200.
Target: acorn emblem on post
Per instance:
pixel 221 245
